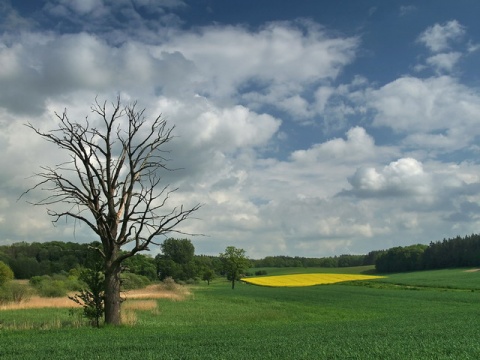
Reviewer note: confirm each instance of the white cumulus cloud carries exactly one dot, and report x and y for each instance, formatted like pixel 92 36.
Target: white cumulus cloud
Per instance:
pixel 399 178
pixel 438 108
pixel 440 37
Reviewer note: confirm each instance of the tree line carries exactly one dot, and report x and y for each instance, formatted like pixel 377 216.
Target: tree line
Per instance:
pixel 37 259
pixel 448 253
pixel 179 261
pixel 329 262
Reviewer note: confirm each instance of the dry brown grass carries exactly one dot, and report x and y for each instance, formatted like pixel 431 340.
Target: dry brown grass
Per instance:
pixel 130 308
pixel 37 302
pixel 150 292
pixel 158 291
pixel 143 305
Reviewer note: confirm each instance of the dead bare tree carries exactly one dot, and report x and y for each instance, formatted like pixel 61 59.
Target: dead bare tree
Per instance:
pixel 112 184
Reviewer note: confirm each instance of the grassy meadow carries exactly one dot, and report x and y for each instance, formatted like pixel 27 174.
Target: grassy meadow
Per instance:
pixel 422 315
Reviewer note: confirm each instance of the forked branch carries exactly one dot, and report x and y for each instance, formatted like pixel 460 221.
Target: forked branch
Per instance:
pixel 112 180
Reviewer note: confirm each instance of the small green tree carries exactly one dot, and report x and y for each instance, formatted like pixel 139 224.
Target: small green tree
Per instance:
pixel 92 298
pixel 208 275
pixel 235 262
pixel 6 274
pixel 10 291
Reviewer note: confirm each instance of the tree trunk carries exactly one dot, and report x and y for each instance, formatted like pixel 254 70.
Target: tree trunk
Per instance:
pixel 112 293
pixel 233 283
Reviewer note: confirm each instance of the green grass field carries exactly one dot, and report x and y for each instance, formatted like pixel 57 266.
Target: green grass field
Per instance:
pixel 381 319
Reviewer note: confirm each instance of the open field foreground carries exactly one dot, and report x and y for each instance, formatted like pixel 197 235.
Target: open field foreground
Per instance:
pixel 391 318
pixel 306 279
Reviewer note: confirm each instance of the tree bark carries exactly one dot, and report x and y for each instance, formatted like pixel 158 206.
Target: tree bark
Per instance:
pixel 112 293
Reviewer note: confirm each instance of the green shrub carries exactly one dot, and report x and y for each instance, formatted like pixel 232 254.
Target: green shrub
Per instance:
pixel 6 274
pixel 57 285
pixel 261 272
pixel 5 297
pixel 19 292
pixel 37 280
pixel 14 292
pixel 47 286
pixel 52 288
pixel 132 281
pixel 73 283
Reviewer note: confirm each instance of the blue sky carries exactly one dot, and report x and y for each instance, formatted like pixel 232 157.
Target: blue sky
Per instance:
pixel 306 128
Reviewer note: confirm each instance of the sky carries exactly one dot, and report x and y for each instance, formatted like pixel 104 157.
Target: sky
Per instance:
pixel 304 128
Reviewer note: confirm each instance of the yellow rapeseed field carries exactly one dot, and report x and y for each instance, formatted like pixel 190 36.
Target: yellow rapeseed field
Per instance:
pixel 305 279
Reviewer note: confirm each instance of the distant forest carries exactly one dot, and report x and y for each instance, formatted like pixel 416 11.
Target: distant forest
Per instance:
pixel 36 259
pixel 49 258
pixel 449 253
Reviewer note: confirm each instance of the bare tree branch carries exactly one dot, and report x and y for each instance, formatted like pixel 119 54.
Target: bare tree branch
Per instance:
pixel 112 181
